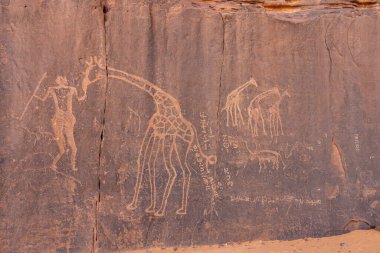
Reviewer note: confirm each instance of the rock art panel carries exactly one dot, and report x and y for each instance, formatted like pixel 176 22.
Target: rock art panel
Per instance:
pixel 179 123
pixel 267 111
pixel 51 121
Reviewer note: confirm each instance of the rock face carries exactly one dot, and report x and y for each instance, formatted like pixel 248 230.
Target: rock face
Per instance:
pixel 131 124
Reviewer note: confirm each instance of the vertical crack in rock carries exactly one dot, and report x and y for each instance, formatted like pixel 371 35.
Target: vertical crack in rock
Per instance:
pixel 329 51
pixel 151 57
pixel 330 95
pixel 221 70
pixel 348 42
pixel 105 10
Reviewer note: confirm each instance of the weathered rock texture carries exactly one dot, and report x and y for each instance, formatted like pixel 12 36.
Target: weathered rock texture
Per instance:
pixel 244 120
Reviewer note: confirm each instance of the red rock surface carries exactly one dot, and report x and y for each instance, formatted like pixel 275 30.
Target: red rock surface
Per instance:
pixel 246 120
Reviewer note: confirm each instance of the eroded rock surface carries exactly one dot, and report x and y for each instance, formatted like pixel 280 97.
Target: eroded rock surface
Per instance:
pixel 131 124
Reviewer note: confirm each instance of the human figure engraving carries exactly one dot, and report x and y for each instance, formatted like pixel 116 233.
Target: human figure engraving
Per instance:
pixel 64 120
pixel 234 114
pixel 169 137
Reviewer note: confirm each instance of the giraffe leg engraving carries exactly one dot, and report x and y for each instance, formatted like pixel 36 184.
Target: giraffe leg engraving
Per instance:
pixel 271 125
pixel 261 162
pixel 152 174
pixel 279 122
pixel 167 151
pixel 186 175
pixel 262 121
pixel 140 166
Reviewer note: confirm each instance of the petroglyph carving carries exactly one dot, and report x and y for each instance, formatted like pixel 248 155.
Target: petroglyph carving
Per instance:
pixel 33 95
pixel 133 115
pixel 206 133
pixel 235 116
pixel 265 157
pixel 263 108
pixel 268 200
pixel 169 137
pixel 64 120
pixel 38 135
pixel 91 64
pixel 207 179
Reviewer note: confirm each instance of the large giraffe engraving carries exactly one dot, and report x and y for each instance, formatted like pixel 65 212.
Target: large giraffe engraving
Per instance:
pixel 169 137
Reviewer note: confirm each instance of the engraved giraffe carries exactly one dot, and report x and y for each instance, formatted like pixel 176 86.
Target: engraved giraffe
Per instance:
pixel 169 136
pixel 232 107
pixel 274 114
pixel 266 102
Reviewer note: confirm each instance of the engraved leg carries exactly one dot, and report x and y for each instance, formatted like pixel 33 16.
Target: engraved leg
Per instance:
pixel 240 115
pixel 230 111
pixel 276 162
pixel 279 122
pixel 260 164
pixel 250 121
pixel 181 155
pixel 140 166
pixel 57 126
pixel 271 123
pixel 228 116
pixel 156 146
pixel 236 116
pixel 282 162
pixel 69 133
pixel 256 126
pixel 167 151
pixel 263 122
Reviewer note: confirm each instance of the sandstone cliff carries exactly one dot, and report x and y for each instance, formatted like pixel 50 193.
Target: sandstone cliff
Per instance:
pixel 131 124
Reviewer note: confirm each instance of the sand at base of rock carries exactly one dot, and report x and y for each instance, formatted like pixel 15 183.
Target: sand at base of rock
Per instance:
pixel 366 241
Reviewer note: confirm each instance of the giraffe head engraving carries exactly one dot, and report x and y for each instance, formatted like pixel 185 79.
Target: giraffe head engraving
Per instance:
pixel 95 64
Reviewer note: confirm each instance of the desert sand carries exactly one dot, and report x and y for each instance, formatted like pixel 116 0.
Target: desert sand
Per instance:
pixel 366 241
